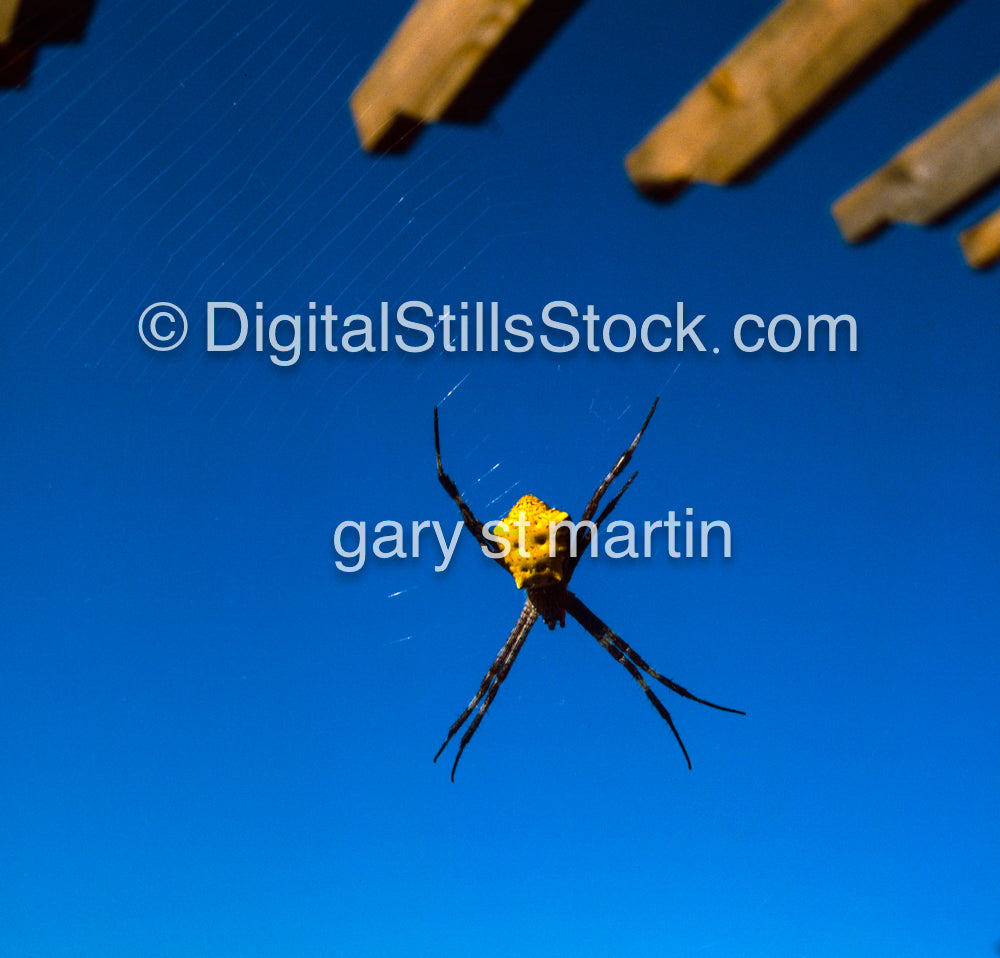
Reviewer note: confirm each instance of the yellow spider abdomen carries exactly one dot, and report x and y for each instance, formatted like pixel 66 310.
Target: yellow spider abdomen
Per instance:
pixel 527 529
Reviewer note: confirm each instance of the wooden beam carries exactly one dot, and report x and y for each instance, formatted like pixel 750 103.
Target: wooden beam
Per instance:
pixel 782 71
pixel 8 14
pixel 933 174
pixel 981 243
pixel 450 60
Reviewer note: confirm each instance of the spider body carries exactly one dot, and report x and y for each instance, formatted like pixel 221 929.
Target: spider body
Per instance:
pixel 538 565
pixel 541 557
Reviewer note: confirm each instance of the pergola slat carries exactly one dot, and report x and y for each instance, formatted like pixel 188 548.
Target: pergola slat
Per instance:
pixel 450 59
pixel 981 243
pixel 933 174
pixel 784 68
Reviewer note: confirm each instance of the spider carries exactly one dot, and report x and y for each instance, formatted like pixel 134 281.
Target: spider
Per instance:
pixel 544 570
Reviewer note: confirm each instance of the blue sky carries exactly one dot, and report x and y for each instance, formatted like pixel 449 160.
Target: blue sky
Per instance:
pixel 215 743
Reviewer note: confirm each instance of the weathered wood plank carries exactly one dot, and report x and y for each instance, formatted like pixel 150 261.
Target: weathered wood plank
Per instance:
pixel 783 69
pixel 933 174
pixel 981 243
pixel 450 59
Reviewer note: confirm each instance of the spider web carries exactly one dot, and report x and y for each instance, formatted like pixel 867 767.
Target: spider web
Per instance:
pixel 191 163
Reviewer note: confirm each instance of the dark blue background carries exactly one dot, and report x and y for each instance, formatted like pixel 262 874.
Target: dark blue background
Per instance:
pixel 214 743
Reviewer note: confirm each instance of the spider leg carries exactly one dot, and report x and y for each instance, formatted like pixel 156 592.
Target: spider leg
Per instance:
pixel 669 683
pixel 501 675
pixel 633 662
pixel 488 681
pixel 583 532
pixel 619 467
pixel 471 522
pixel 609 508
pixel 491 682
